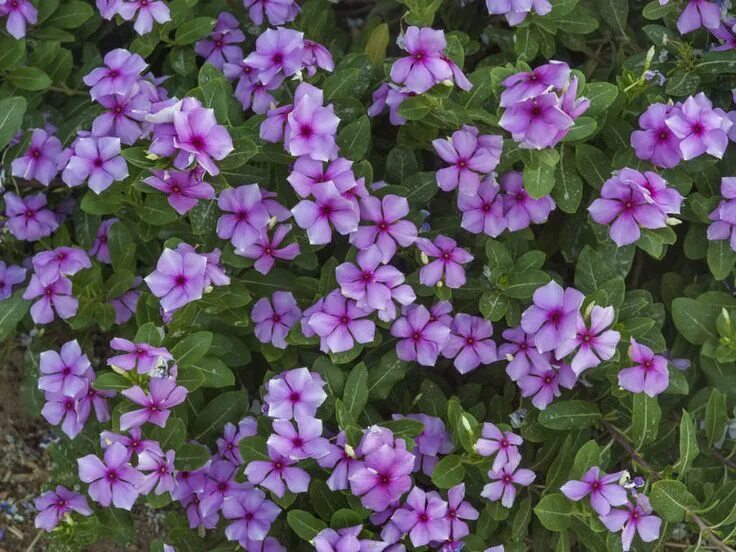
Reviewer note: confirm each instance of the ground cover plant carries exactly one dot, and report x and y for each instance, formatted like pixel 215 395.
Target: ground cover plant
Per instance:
pixel 375 276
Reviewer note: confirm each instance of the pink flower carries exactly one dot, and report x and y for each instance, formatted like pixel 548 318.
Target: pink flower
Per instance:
pixel 388 229
pixel 273 322
pixel 504 481
pixel 636 518
pixel 448 265
pixel 650 374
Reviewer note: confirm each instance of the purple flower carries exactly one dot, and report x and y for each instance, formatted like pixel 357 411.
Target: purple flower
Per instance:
pixel 521 353
pixel 700 128
pixel 251 514
pixel 227 445
pixel 54 296
pixel 458 510
pixel 424 66
pixel 699 13
pixel 277 474
pixel 163 395
pixel 448 265
pixel 304 441
pixel 134 441
pixel 148 12
pixel 339 324
pixel 536 123
pixel 503 481
pixel 137 356
pixel 656 142
pixel 483 211
pixel 311 128
pixel 9 276
pixel 294 394
pixel 655 191
pixel 112 481
pixel 66 411
pixel 433 441
pixel 341 459
pixel 504 444
pixel 100 248
pixel 328 208
pixel 422 339
pixel 96 160
pixel 522 86
pixel 724 221
pixel 391 95
pixel 201 139
pixel 423 517
pixel 248 219
pixel 28 217
pixel 369 283
pixel 520 209
pixel 178 279
pixel 650 374
pixel 594 344
pixel 62 261
pixel 307 172
pixel 220 487
pixel 266 250
pixel 516 11
pixel 19 13
pixel 315 55
pixel 126 304
pixel 553 316
pixel 272 323
pixel 278 51
pixel 123 116
pixel 183 188
pixel 53 507
pixel 384 476
pixel 388 230
pixel 543 384
pixel 277 12
pixel 469 161
pixel 345 540
pixel 604 490
pixel 249 90
pixel 93 398
pixel 160 478
pixel 64 372
pixel 624 205
pixel 39 162
pixel 470 343
pixel 636 518
pixel 121 71
pixel 222 45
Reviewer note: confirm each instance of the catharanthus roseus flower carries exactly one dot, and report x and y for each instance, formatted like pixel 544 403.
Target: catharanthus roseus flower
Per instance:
pixel 470 343
pixel 273 319
pixel 504 481
pixel 483 211
pixel 521 353
pixel 227 445
pixel 423 517
pixel 593 344
pixel 160 468
pixel 277 12
pixel 64 372
pixel 278 52
pixel 315 56
pixel 100 248
pixel 635 518
pixel 433 441
pixel 724 216
pixel 391 95
pixel 520 209
pixel 458 510
pixel 341 323
pixel 368 282
pixel 448 263
pixel 183 189
pixel 536 122
pixel 604 490
pixel 178 279
pixel 516 11
pixel 246 217
pixel 265 250
pixel 28 217
pixel 328 208
pixel 649 375
pixel 308 172
pixel 277 474
pixel 147 11
pixel 96 160
pixel 543 384
pixel 10 276
pixel 343 462
pixel 54 506
pixel 55 296
pixel 345 540
pixel 311 128
pixel 65 411
pixel 221 46
pixel 384 476
pixel 121 71
pixel 251 515
pixel 294 394
pixel 133 441
pixel 201 139
pixel 141 357
pixel 62 261
pixel 424 66
pixel 126 304
pixel 552 318
pixel 468 162
pixel 655 141
pixel 421 339
pixel 701 128
pixel 521 86
pixel 250 91
pixel 220 486
pixel 300 442
pixel 112 480
pixel 504 444
pixel 699 13
pixel 163 395
pixel 40 160
pixel 20 13
pixel 387 230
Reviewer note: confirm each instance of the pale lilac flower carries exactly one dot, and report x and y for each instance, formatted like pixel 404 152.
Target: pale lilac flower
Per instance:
pixel 54 296
pixel 543 384
pixel 328 208
pixel 222 45
pixel 440 312
pixel 536 123
pixel 345 540
pixel 64 372
pixel 220 487
pixel 28 217
pixel 20 13
pixel 273 322
pixel 315 55
pixel 391 95
pixel 421 339
pixel 40 160
pixel 141 357
pixel 592 344
pixel 59 409
pixel 448 263
pixel 277 474
pixel 54 506
pixel 126 304
pixel 423 517
pixel 178 279
pixel 214 274
pixel 699 13
pixel 340 323
pixel 94 398
pixel 433 441
pixel 100 248
pixel 307 172
pixel 700 128
pixel 148 12
pixel 134 441
pixel 468 162
pixel 636 518
pixel 470 343
pixel 516 11
pixel 124 116
pixel 278 51
pixel 503 483
pixel 121 71
pixel 525 85
pixel 304 441
pixel 604 490
pixel 113 481
pixel 369 283
pixel 277 12
pixel 183 189
pixel 62 261
pixel 504 444
pixel 163 395
pixel 227 445
pixel 388 230
pixel 251 515
pixel 724 221
pixel 458 510
pixel 553 316
pixel 294 394
pixel 520 209
pixel 250 91
pixel 655 141
pixel 650 374
pixel 311 128
pixel 96 160
pixel 9 276
pixel 248 218
pixel 655 191
pixel 483 211
pixel 266 250
pixel 201 139
pixel 160 478
pixel 341 460
pixel 384 476
pixel 424 66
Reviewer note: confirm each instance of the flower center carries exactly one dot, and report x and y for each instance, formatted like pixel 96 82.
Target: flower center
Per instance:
pixel 181 280
pixel 98 162
pixel 197 142
pixel 306 131
pixel 383 226
pixel 416 336
pixel 294 397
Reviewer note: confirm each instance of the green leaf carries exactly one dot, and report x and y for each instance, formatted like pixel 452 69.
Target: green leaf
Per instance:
pixel 170 437
pixel 355 395
pixel 592 164
pixel 355 139
pixel 122 247
pixel 689 449
pixel 463 425
pixel 343 84
pixel 721 258
pixel 377 43
pixel 111 381
pixel 323 500
pixel 193 30
pixel 554 512
pixel 385 374
pixel 645 420
pixel 671 500
pixel 572 414
pixel 191 456
pixel 416 107
pixel 253 448
pixel 13 51
pixel 227 407
pixel 601 96
pixel 493 305
pixel 14 308
pixel 615 13
pixel 568 191
pixel 344 518
pixel 29 78
pixel 524 283
pixel 520 523
pixel 71 15
pixel 717 63
pixel 405 428
pixel 716 416
pixel 539 180
pixel 304 524
pixel 192 348
pixel 695 319
pixel 586 457
pixel 401 163
pixel 582 128
pixel 216 373
pixel 448 472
